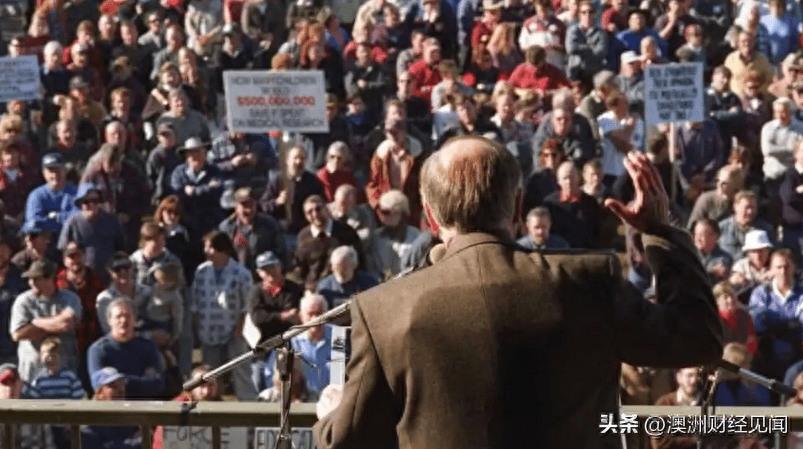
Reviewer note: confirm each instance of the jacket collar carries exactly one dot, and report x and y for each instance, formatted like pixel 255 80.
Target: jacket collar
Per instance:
pixel 466 241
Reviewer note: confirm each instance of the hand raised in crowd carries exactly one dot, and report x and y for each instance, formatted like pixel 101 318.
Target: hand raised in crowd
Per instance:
pixel 650 205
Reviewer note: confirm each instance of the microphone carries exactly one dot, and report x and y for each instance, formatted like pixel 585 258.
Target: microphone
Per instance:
pixel 771 384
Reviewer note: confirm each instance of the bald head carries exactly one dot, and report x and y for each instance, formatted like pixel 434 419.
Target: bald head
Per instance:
pixel 470 184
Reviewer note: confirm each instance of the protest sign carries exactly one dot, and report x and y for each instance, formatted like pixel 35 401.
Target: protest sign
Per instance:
pixel 188 437
pixel 19 78
pixel 673 93
pixel 258 101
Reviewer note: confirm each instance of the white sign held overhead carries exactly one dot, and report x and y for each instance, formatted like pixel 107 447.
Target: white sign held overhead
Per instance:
pixel 673 93
pixel 259 101
pixel 19 78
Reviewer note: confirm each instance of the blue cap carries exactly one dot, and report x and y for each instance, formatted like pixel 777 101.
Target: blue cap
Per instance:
pixel 83 190
pixel 105 376
pixel 32 228
pixel 51 160
pixel 267 259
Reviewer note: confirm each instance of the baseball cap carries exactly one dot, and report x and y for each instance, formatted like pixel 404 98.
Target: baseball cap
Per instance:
pixel 41 268
pixel 52 160
pixel 105 376
pixel 267 259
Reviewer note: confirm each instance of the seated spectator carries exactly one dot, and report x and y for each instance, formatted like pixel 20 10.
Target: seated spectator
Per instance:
pixel 220 294
pixel 716 204
pixel 97 231
pixel 747 58
pixel 778 141
pixel 745 218
pixel 732 390
pixel 287 190
pixel 724 106
pixel 586 45
pixel 774 311
pixel 790 193
pixel 199 184
pixel 592 181
pixel 544 181
pixel 111 385
pixel 37 247
pixel 55 381
pixel 163 159
pixel 717 262
pixel 252 232
pixel 53 203
pixel 481 75
pixel 575 215
pixel 687 393
pixel 754 268
pixel 317 240
pixel 179 233
pixel 136 358
pixel 346 279
pixel 470 123
pixel 123 286
pixel 737 324
pixel 315 345
pixel 791 69
pixel 273 303
pixel 74 152
pixel 450 83
pixel 344 208
pixel 702 153
pixel 539 222
pixel 392 239
pixel 336 172
pixel 535 73
pixel 514 134
pixel 568 127
pixel 42 311
pixel 243 159
pixel 396 164
pixel 366 78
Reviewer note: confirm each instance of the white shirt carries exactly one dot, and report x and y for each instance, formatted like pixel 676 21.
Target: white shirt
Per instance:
pixel 613 160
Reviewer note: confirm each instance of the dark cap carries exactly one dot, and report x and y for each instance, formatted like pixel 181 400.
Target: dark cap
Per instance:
pixel 42 268
pixel 118 261
pixel 164 127
pixel 78 82
pixel 32 228
pixel 52 160
pixel 243 194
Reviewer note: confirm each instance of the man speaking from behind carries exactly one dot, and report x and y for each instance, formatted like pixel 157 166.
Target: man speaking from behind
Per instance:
pixel 495 347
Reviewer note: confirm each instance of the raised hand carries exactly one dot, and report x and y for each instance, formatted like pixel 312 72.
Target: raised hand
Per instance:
pixel 650 205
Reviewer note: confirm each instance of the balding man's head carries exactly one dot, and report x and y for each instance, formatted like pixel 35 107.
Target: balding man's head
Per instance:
pixel 470 184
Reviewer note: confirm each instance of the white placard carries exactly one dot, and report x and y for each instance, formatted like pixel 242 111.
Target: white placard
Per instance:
pixel 674 93
pixel 188 437
pixel 259 101
pixel 19 78
pixel 265 438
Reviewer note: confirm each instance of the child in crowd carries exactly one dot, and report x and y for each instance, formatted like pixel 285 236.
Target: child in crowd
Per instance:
pixel 164 313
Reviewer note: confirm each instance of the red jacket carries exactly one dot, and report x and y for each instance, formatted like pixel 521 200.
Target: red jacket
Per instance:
pixel 379 181
pixel 425 77
pixel 481 34
pixel 331 181
pixel 547 78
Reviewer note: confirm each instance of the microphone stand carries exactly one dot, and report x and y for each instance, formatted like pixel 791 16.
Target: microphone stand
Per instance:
pixel 285 360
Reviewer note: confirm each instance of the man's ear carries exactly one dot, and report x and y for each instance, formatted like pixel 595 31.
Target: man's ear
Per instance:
pixel 428 212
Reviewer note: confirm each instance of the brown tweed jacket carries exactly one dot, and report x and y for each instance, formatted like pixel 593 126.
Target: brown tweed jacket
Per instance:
pixel 494 347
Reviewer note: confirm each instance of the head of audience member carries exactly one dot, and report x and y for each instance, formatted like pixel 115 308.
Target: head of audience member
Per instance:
pixel 85 33
pixel 694 35
pixel 345 200
pixel 115 134
pixel 120 101
pixel 737 354
pixel 121 272
pixel 782 268
pixel 617 103
pixel 792 68
pixel 109 384
pixel 757 247
pixel 295 161
pixel 80 55
pixel 168 275
pixel 744 43
pixel 344 262
pixel 782 110
pixel 107 27
pixel 10 381
pixel 166 136
pixel 337 156
pixel 728 180
pixel 568 180
pixel 551 155
pixel 649 50
pixel 42 278
pixel 152 240
pixel 37 239
pixel 194 152
pixel 726 298
pixel 178 102
pixel 53 171
pixel 432 51
pixel 592 176
pixel 586 11
pixel 53 52
pixel 539 222
pixel 315 212
pixel 687 380
pixel 218 248
pixel 471 184
pixel 506 106
pixel 88 199
pixel 207 391
pixel 466 110
pixel 394 208
pixel 66 133
pixel 744 208
pixel 50 354
pixel 170 211
pixel 312 306
pixel 752 85
pixel 245 205
pixel 417 39
pixel 630 64
pixel 10 127
pixel 721 78
pixel 355 106
pixel 604 84
pixel 706 234
pixel 122 320
pixel 269 269
pixel 636 21
pixel 535 55
pixel 73 258
pixel 9 155
pixel 154 22
pixel 129 33
pixel 174 38
pixel 404 86
pixel 169 76
pixel 562 121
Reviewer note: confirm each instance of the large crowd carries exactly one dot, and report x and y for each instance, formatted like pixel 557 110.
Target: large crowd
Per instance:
pixel 137 228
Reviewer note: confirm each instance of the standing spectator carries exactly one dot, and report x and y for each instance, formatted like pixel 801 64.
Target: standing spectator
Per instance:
pixel 393 239
pixel 790 70
pixel 756 112
pixel 152 250
pixel 187 122
pixel 273 303
pixel 42 311
pixel 424 72
pixel 631 79
pixel 136 358
pixel 220 291
pixel 539 223
pixel 569 130
pixel 123 286
pixel 288 188
pixel 55 80
pixel 783 31
pixel 745 218
pixel 717 203
pixel 16 180
pixel 504 51
pixel 162 160
pixel 593 104
pixel 586 45
pixel 179 240
pixel 638 30
pixel 514 134
pixel 317 240
pixel 10 287
pixel 336 172
pixel 774 310
pixel 97 231
pixel 111 385
pixel 778 140
pixel 746 59
pixel 251 232
pixel 199 184
pixel 672 26
pixel 243 158
pixel 535 73
pixel 620 132
pixel 546 31
pixel 37 246
pixel 346 279
pixel 53 203
pixel 575 215
pixel 702 153
pixel 544 180
pixel 717 262
pixel 790 195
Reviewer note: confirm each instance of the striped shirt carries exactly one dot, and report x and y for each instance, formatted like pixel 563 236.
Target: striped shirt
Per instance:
pixel 62 385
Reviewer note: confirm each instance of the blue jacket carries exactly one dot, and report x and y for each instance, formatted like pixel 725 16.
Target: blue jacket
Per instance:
pixel 42 201
pixel 131 358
